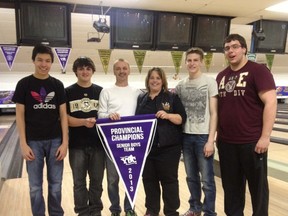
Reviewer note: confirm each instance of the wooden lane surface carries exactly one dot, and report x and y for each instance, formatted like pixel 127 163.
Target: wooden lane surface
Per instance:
pixel 5 124
pixel 14 197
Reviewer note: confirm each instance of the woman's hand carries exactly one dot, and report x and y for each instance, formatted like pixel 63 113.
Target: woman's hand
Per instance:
pixel 162 115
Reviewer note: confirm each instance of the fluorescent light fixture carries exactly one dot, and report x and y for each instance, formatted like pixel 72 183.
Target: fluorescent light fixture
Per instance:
pixel 280 7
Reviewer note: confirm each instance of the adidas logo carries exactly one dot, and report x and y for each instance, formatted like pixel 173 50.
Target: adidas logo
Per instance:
pixel 43 98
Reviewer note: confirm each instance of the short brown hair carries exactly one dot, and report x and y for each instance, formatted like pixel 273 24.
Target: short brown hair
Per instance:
pixel 121 60
pixel 195 50
pixel 83 61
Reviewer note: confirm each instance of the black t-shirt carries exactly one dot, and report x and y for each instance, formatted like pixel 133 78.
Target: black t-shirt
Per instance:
pixel 83 103
pixel 42 99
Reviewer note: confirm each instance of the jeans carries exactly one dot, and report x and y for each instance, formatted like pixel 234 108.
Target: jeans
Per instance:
pixel 239 163
pixel 113 189
pixel 87 201
pixel 42 149
pixel 199 170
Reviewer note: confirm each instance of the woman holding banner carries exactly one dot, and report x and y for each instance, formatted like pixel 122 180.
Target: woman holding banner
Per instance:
pixel 162 163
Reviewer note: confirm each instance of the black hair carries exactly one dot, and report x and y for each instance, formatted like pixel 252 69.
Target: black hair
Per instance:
pixel 236 37
pixel 83 61
pixel 43 49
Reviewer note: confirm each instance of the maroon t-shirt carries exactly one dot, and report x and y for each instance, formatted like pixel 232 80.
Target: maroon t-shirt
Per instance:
pixel 240 108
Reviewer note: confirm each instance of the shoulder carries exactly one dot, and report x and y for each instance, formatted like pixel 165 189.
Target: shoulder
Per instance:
pixel 25 82
pixel 71 88
pixel 136 91
pixel 105 92
pixel 108 89
pixel 180 83
pixel 55 79
pixel 223 72
pixel 96 87
pixel 141 96
pixel 210 80
pixel 25 79
pixel 257 71
pixel 132 88
pixel 169 95
pixel 257 67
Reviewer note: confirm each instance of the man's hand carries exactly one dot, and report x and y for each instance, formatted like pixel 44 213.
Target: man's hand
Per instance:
pixel 114 116
pixel 262 145
pixel 61 152
pixel 209 149
pixel 27 152
pixel 89 122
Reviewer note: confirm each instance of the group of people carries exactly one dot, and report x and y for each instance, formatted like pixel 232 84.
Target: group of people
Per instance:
pixel 236 111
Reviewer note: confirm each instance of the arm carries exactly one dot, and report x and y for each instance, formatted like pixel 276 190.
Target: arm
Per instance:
pixel 179 115
pixel 27 152
pixel 269 114
pixel 78 122
pixel 62 150
pixel 103 105
pixel 209 146
pixel 172 117
pixel 103 111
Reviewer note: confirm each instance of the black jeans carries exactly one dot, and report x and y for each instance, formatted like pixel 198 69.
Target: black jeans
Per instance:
pixel 161 167
pixel 91 162
pixel 240 163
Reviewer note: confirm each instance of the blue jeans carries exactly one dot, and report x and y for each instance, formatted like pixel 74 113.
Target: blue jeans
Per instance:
pixel 195 164
pixel 113 189
pixel 42 149
pixel 87 201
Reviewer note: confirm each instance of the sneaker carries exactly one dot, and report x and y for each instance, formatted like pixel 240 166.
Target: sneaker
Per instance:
pixel 130 213
pixel 115 214
pixel 191 213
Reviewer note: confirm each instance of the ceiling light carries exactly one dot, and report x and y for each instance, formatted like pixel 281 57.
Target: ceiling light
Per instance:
pixel 280 7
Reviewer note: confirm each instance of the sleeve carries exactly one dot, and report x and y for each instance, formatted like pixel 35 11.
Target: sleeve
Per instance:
pixel 19 93
pixel 103 104
pixel 140 103
pixel 179 108
pixel 263 73
pixel 213 87
pixel 67 100
pixel 61 92
pixel 178 89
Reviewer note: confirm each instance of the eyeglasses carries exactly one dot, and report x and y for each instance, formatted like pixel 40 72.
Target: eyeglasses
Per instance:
pixel 233 47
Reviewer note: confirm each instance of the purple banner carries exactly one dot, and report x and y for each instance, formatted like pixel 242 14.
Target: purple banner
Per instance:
pixel 128 142
pixel 63 55
pixel 9 53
